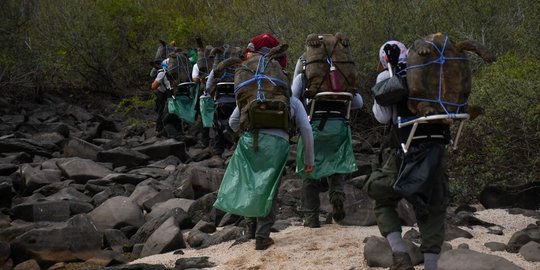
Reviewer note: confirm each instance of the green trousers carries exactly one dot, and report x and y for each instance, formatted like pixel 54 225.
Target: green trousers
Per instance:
pixel 431 226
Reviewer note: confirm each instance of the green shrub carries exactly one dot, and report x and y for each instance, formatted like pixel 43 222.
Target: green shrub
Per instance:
pixel 134 109
pixel 502 145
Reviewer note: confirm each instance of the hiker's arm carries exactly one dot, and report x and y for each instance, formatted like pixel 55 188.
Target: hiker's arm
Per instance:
pixel 383 114
pixel 234 120
pixel 154 86
pixel 298 68
pixel 157 81
pixel 210 84
pixel 357 101
pixel 195 74
pixel 302 123
pixel 297 86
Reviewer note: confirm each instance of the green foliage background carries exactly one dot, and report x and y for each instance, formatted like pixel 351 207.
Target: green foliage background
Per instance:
pixel 89 46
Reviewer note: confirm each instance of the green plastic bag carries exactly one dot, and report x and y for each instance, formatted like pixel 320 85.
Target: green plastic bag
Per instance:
pixel 207 111
pixel 333 150
pixel 184 106
pixel 251 180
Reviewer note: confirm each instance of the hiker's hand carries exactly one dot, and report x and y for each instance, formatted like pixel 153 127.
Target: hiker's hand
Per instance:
pixel 392 51
pixel 308 168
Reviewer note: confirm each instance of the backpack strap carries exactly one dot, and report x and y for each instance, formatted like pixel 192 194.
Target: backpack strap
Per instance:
pixel 255 143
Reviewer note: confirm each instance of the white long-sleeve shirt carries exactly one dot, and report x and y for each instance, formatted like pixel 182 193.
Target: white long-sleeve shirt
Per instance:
pixel 384 114
pixel 298 113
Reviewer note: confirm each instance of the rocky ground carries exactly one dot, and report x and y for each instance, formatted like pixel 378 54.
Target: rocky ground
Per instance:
pixel 80 188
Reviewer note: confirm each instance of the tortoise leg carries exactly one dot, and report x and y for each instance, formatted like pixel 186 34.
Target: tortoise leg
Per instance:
pixel 474 111
pixel 425 108
pixel 343 39
pixel 422 47
pixel 277 50
pixel 227 63
pixel 473 46
pixel 313 40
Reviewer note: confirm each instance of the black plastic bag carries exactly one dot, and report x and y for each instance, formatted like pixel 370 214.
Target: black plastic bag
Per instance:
pixel 418 173
pixel 390 91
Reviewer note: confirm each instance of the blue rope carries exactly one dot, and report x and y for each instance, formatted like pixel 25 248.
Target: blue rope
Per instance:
pixel 226 75
pixel 258 77
pixel 184 66
pixel 441 60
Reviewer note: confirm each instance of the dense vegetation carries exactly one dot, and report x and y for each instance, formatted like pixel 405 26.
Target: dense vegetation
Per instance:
pixel 89 46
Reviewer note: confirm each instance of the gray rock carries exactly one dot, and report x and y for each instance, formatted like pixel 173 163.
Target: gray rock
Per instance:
pixel 28 265
pixel 453 232
pixel 196 238
pixel 49 245
pixel 497 230
pixel 122 156
pixel 229 219
pixel 115 239
pixel 163 207
pixel 531 251
pixel 204 178
pixel 79 113
pixel 138 266
pixel 203 209
pixel 506 196
pixel 16 158
pixel 495 246
pixel 160 197
pixel 5 220
pixel 109 192
pixel 69 194
pixel 18 227
pixel 150 226
pixel 170 160
pixel 458 259
pixel 117 212
pixel 6 191
pixel 193 263
pixel 43 211
pixel 378 253
pixel 520 238
pixel 7 169
pixel 163 149
pixel 228 233
pixel 49 138
pixel 34 178
pixel 13 119
pixel 156 173
pixel 5 252
pixel 446 247
pixel 76 147
pixel 107 258
pixel 55 187
pixel 204 227
pixel 28 146
pixel 147 190
pixel 167 237
pixel 125 178
pixel 82 170
pixel 413 235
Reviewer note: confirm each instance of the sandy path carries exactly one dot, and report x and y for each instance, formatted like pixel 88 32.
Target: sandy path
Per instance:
pixel 336 247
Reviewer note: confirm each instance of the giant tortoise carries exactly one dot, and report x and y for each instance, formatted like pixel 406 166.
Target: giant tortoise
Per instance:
pixel 439 76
